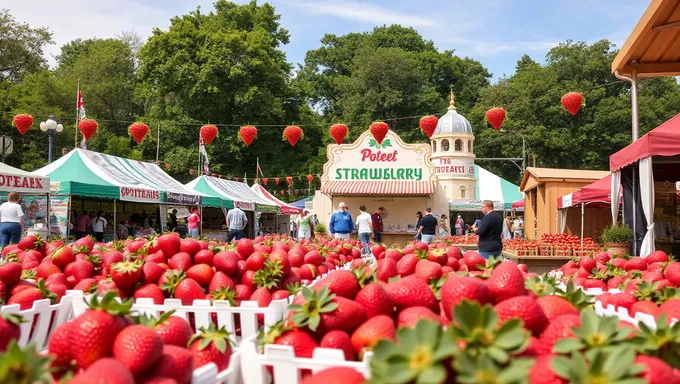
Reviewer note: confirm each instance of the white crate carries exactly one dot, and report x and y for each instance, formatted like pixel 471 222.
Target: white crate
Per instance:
pixel 286 367
pixel 41 314
pixel 622 314
pixel 208 374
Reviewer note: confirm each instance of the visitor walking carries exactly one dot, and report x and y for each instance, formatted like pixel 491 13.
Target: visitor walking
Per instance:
pixel 419 216
pixel 376 221
pixel 236 223
pixel 460 226
pixel 305 225
pixel 83 222
pixel 518 227
pixel 341 224
pixel 489 231
pixel 193 222
pixel 428 227
pixel 507 228
pixel 444 230
pixel 365 229
pixel 98 225
pixel 12 220
pixel 173 221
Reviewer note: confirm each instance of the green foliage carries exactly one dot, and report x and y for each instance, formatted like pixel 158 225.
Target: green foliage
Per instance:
pixel 620 233
pixel 662 342
pixel 320 228
pixel 615 366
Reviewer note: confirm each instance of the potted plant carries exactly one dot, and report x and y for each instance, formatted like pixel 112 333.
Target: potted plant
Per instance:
pixel 617 239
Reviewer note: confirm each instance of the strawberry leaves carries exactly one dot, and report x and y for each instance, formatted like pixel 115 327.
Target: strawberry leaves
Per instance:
pixel 316 303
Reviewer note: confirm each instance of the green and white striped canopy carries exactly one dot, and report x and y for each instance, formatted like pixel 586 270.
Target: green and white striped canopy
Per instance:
pixel 489 187
pixel 233 193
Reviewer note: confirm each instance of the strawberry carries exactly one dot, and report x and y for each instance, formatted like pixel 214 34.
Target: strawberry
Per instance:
pixel 375 300
pixel 176 362
pixel 247 133
pixel 379 130
pixel 373 330
pixel 138 347
pixel 506 281
pixel 93 333
pixel 426 270
pixel 30 242
pixel 211 345
pixel 26 297
pixel 572 102
pixel 338 132
pixel 387 269
pixel 672 273
pixel 111 369
pixel 23 122
pixel 138 131
pixel 204 256
pixel 9 329
pixel 151 291
pixel 524 308
pixel 244 247
pixel 457 289
pixel 263 297
pixel 558 329
pixel 554 306
pixel 168 243
pixel 303 344
pixel 80 269
pixel 495 117
pixel 542 372
pixel 341 283
pixel 10 271
pixel 656 370
pixel 188 290
pixel 313 257
pixel 335 375
pixel 84 245
pixel 126 274
pixel 208 133
pixel 181 261
pixel 202 273
pixel 409 317
pixel 410 291
pixel 173 330
pixel 220 280
pixel 428 124
pixel 59 346
pixel 255 261
pixel 339 340
pixel 407 265
pixel 473 260
pixel 226 262
pixel 635 264
pixel 151 272
pixel 325 311
pixel 645 306
pixel 45 269
pixel 657 257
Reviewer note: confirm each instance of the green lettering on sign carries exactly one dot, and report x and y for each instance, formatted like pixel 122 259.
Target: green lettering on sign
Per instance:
pixel 412 174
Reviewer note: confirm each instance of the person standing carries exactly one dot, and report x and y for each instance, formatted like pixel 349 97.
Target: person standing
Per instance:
pixel 193 221
pixel 305 224
pixel 341 224
pixel 419 216
pixel 519 227
pixel 460 226
pixel 236 223
pixel 377 223
pixel 98 225
pixel 507 225
pixel 365 228
pixel 444 230
pixel 11 220
pixel 83 222
pixel 428 227
pixel 316 220
pixel 489 231
pixel 173 221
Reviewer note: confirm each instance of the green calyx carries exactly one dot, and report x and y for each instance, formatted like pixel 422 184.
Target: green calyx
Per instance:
pixel 662 342
pixel 576 296
pixel 419 355
pixel 212 335
pixel 484 370
pixel 10 258
pixel 109 304
pixel 364 275
pixel 173 279
pixel 24 366
pixel 615 366
pixel 437 284
pixel 152 321
pixel 127 266
pixel 316 303
pixel 477 328
pixel 95 260
pixel 118 245
pixel 29 274
pixel 269 276
pixel 599 275
pixel 294 288
pixel 665 294
pixel 275 331
pixel 226 294
pixel 541 286
pixel 46 292
pixel 13 318
pixel 596 333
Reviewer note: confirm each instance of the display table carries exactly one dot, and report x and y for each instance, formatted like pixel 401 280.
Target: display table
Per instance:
pixel 393 238
pixel 539 264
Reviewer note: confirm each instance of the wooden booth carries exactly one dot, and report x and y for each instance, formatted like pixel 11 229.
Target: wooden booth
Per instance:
pixel 542 187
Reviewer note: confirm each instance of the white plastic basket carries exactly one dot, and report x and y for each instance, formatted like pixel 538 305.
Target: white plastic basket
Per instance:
pixel 208 374
pixel 286 368
pixel 622 314
pixel 43 317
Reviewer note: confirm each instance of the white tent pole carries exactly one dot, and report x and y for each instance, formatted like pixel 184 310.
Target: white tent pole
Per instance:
pixel 583 209
pixel 115 225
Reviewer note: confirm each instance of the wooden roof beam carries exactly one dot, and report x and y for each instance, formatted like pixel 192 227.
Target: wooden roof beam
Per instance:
pixel 675 24
pixel 654 69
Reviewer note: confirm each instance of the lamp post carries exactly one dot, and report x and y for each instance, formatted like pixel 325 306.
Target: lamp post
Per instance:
pixel 50 126
pixel 524 148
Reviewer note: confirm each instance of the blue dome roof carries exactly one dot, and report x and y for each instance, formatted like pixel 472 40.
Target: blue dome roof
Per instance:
pixel 452 122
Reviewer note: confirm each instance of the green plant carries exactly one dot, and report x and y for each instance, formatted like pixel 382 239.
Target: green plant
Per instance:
pixel 320 228
pixel 620 233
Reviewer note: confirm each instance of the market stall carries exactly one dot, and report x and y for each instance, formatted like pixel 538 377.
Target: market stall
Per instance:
pixel 90 181
pixel 393 175
pixel 279 223
pixel 233 194
pixel 35 199
pixel 592 199
pixel 647 171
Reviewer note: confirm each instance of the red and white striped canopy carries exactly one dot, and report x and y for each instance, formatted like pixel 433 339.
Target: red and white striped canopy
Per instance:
pixel 385 188
pixel 285 207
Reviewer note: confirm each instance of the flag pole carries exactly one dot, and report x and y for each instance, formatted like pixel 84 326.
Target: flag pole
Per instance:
pixel 75 143
pixel 200 156
pixel 158 143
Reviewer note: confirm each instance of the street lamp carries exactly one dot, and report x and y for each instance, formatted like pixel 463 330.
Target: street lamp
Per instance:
pixel 50 126
pixel 524 148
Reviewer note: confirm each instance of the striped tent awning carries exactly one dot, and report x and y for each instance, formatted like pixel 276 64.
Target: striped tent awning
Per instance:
pixel 384 188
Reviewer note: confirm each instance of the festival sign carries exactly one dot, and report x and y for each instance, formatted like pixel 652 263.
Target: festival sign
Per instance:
pixel 140 195
pixel 182 199
pixel 454 168
pixel 366 160
pixel 23 184
pixel 244 205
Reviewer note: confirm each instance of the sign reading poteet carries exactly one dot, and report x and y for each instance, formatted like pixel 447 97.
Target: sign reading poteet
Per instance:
pixel 366 160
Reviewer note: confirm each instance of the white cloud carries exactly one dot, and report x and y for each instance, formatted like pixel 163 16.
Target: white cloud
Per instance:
pixel 362 12
pixel 491 48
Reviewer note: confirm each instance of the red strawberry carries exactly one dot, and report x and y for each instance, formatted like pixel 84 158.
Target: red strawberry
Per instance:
pixel 524 308
pixel 220 280
pixel 542 372
pixel 126 274
pixel 168 243
pixel 656 370
pixel 151 291
pixel 409 317
pixel 407 265
pixel 339 340
pixel 181 261
pixel 335 375
pixel 138 347
pixel 635 264
pixel 110 369
pixel 375 300
pixel 245 248
pixel 26 297
pixel 657 257
pixel 208 133
pixel 226 262
pixel 30 242
pixel 672 273
pixel 426 270
pixel 387 269
pixel 10 272
pixel 190 246
pixel 506 281
pixel 554 306
pixel 202 273
pixel 457 289
pixel 342 283
pixel 338 132
pixel 9 329
pixel 411 292
pixel 204 256
pixel 138 131
pixel 80 269
pixel 645 306
pixel 211 345
pixel 176 362
pixel 23 122
pixel 379 130
pixel 262 296
pixel 378 328
pixel 428 124
pixel 59 346
pixel 189 290
pixel 63 256
pixel 248 133
pixel 292 133
pixel 152 272
pixel 495 117
pixel 173 330
pixel 572 102
pixel 473 260
pixel 559 328
pixel 87 127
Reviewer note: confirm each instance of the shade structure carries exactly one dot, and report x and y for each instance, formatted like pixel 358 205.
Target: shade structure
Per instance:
pixel 663 140
pixel 372 188
pixel 489 187
pixel 232 193
pixel 285 208
pixel 301 203
pixel 93 174
pixel 518 205
pixel 17 180
pixel 597 194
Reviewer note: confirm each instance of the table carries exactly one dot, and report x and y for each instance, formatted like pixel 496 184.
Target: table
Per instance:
pixel 539 264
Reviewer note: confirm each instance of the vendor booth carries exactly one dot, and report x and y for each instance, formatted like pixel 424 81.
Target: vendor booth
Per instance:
pixel 124 189
pixel 233 194
pixel 35 199
pixel 393 175
pixel 647 170
pixel 275 223
pixel 584 211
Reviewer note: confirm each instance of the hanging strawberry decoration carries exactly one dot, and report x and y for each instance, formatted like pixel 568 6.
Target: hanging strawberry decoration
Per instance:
pixel 495 117
pixel 310 178
pixel 247 133
pixel 208 133
pixel 338 132
pixel 237 179
pixel 282 192
pixel 277 180
pixel 167 165
pixel 289 180
pixel 293 133
pixel 192 171
pixel 138 131
pixel 428 124
pixel 379 131
pixel 23 122
pixel 88 127
pixel 572 102
pixel 265 180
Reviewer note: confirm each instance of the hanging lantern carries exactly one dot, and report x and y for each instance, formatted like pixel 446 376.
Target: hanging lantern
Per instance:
pixel 23 122
pixel 208 133
pixel 495 117
pixel 247 133
pixel 310 178
pixel 428 124
pixel 138 131
pixel 572 102
pixel 292 133
pixel 167 165
pixel 265 180
pixel 237 179
pixel 192 171
pixel 289 180
pixel 88 127
pixel 379 130
pixel 338 132
pixel 277 180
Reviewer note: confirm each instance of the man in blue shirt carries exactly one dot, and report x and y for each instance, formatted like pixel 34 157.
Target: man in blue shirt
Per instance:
pixel 341 224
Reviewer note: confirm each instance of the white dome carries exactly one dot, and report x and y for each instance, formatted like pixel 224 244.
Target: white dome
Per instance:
pixel 452 122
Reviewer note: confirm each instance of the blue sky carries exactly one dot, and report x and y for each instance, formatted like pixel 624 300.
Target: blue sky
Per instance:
pixel 495 32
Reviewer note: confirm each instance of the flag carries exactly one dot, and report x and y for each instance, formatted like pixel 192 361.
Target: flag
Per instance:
pixel 206 163
pixel 81 114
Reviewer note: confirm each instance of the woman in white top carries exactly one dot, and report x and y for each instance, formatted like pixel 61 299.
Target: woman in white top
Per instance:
pixel 11 220
pixel 98 225
pixel 365 229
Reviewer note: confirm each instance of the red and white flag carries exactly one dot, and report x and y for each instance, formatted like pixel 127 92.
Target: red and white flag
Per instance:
pixel 206 163
pixel 81 105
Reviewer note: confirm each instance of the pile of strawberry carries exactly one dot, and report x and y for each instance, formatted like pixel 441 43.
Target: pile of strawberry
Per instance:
pixel 108 345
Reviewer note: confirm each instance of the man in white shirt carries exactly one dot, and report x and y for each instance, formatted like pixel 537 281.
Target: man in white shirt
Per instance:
pixel 98 225
pixel 365 229
pixel 236 222
pixel 518 229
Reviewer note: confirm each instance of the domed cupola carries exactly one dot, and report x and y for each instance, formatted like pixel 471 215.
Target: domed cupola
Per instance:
pixel 452 122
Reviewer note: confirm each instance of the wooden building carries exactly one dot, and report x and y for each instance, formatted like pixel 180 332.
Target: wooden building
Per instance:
pixel 543 186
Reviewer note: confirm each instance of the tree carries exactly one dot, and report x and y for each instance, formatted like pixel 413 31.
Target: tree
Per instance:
pixel 21 47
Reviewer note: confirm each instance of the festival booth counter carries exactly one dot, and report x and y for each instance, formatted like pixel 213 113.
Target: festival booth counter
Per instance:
pixel 88 181
pixel 392 174
pixel 648 171
pixel 279 223
pixel 35 198
pixel 233 194
pixel 591 198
